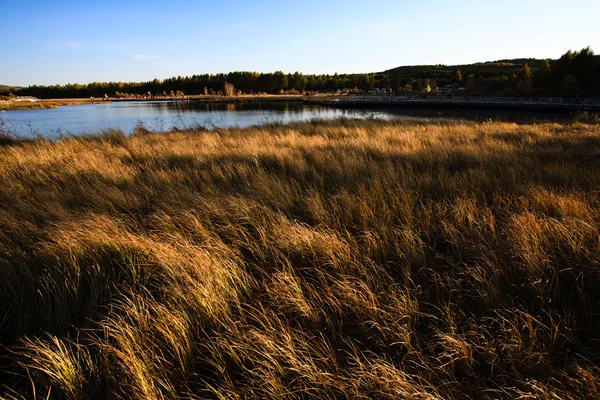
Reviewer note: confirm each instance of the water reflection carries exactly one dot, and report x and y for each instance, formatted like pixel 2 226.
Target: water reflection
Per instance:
pixel 479 115
pixel 164 116
pixel 197 106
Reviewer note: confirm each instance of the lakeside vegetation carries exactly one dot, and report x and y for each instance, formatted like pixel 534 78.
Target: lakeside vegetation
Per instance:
pixel 573 74
pixel 45 104
pixel 42 104
pixel 341 259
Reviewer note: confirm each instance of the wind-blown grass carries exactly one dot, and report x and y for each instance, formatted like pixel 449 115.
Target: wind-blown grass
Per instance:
pixel 341 259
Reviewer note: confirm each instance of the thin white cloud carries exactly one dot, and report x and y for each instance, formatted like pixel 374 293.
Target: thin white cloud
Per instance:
pixel 74 45
pixel 142 57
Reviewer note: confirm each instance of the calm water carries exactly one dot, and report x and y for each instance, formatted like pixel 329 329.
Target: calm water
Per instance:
pixel 164 116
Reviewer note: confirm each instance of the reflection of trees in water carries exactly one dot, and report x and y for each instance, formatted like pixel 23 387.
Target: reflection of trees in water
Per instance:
pixel 260 106
pixel 480 114
pixel 184 115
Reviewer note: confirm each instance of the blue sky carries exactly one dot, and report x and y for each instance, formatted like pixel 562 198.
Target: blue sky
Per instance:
pixel 57 42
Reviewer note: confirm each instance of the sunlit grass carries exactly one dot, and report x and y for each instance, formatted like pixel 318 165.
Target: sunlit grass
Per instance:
pixel 46 104
pixel 340 259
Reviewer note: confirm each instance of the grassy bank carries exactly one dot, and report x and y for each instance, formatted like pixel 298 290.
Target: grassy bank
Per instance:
pixel 55 103
pixel 246 98
pixel 342 259
pixel 45 104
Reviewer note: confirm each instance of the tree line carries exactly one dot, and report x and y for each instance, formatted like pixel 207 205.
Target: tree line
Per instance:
pixel 575 73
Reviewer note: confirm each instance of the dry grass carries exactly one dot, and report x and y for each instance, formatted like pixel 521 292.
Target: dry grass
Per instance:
pixel 45 104
pixel 338 259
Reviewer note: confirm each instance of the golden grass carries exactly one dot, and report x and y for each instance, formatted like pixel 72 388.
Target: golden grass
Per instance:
pixel 45 104
pixel 343 259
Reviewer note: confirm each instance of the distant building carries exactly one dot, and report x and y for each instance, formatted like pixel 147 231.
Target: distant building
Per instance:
pixel 378 90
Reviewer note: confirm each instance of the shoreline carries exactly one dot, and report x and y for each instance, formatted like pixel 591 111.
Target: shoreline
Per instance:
pixel 499 103
pixel 55 103
pixel 46 104
pixel 336 101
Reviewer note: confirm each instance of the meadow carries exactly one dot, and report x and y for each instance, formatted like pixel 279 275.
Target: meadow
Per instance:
pixel 342 259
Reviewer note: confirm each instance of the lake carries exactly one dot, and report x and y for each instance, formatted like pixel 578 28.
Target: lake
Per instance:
pixel 164 116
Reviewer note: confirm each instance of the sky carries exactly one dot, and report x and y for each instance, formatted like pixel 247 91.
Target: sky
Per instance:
pixel 57 42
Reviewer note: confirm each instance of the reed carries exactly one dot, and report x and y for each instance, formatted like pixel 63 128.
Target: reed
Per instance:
pixel 340 259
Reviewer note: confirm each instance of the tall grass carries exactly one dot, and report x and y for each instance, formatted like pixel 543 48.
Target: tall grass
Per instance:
pixel 342 259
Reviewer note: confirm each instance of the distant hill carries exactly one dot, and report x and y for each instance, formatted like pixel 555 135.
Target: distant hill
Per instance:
pixel 490 69
pixel 7 87
pixel 575 73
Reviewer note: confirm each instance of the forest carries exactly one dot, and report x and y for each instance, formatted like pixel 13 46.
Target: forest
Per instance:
pixel 575 73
